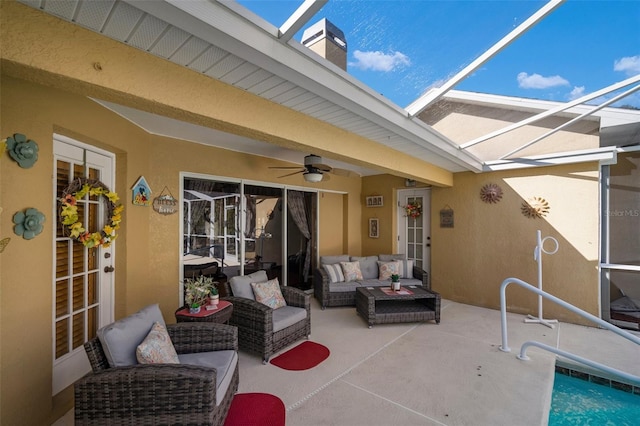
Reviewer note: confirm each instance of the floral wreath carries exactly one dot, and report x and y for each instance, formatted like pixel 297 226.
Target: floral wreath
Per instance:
pixel 69 217
pixel 413 210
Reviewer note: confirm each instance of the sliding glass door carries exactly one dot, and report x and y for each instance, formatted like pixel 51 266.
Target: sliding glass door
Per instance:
pixel 248 227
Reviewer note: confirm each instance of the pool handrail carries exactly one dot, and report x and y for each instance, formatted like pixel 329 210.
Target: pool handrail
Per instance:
pixel 503 322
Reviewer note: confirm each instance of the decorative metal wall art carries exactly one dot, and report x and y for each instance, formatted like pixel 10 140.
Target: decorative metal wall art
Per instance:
pixel 491 193
pixel 28 223
pixel 24 151
pixel 165 203
pixel 446 217
pixel 535 208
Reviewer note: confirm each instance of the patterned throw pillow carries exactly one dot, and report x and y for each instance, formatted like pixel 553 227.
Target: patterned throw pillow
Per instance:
pixel 386 269
pixel 351 271
pixel 334 272
pixel 157 348
pixel 268 293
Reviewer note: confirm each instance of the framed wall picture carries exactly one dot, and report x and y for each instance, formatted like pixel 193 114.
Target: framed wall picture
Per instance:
pixel 374 201
pixel 374 227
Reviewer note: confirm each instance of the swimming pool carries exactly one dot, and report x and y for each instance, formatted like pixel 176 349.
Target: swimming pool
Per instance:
pixel 579 402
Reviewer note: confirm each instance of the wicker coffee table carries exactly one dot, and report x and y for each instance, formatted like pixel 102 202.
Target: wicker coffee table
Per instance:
pixel 410 304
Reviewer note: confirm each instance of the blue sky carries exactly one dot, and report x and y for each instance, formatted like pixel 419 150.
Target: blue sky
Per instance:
pixel 402 48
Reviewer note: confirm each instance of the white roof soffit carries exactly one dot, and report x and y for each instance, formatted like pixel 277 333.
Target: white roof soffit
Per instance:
pixel 256 41
pixel 607 155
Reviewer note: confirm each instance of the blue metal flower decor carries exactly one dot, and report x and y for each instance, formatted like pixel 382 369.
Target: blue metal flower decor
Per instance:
pixel 24 151
pixel 28 224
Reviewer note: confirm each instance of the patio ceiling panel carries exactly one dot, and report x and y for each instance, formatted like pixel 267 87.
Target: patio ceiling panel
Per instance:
pixel 196 34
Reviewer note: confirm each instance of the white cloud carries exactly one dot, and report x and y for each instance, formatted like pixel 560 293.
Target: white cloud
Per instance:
pixel 628 64
pixel 576 93
pixel 378 61
pixel 536 81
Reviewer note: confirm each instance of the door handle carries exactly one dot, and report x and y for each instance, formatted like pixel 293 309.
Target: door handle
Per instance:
pixel 109 268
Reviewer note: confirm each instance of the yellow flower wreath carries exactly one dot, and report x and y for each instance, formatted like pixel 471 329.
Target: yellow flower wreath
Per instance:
pixel 71 220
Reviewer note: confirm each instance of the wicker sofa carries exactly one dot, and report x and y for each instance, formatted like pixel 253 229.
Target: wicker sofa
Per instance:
pixel 343 293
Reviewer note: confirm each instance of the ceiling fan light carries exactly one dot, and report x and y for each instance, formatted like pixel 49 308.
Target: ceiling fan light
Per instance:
pixel 313 177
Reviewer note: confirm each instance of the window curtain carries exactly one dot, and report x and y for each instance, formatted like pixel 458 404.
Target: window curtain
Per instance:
pixel 295 204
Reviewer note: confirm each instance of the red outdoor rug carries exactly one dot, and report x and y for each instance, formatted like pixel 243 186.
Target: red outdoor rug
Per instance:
pixel 256 409
pixel 303 357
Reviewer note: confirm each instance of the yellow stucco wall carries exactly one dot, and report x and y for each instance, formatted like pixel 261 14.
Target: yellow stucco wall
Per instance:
pixel 492 242
pixel 148 246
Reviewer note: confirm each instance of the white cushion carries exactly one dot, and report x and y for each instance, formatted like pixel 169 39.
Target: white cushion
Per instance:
pixel 120 339
pixel 334 272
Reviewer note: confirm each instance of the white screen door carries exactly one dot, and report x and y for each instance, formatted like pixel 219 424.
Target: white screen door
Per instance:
pixel 414 234
pixel 81 288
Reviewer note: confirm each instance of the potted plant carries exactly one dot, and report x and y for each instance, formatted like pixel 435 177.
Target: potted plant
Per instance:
pixel 395 282
pixel 197 291
pixel 214 297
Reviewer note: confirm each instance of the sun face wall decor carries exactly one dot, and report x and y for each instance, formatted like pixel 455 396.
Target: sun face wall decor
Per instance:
pixel 535 208
pixel 491 193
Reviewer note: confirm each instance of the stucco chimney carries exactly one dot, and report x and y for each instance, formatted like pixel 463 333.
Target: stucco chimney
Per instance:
pixel 328 41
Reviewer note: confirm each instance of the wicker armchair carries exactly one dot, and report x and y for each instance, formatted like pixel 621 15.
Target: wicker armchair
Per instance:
pixel 148 394
pixel 255 321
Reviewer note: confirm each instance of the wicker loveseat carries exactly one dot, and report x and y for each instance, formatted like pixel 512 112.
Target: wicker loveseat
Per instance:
pixel 198 390
pixel 343 293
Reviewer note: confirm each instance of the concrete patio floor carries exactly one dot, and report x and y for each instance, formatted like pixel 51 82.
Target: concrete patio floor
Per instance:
pixel 427 374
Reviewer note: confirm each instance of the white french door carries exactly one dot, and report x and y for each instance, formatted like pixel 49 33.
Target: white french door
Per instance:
pixel 82 289
pixel 414 234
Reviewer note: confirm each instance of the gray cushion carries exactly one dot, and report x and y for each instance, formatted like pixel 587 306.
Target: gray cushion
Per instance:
pixel 223 361
pixel 410 281
pixel 287 316
pixel 389 257
pixel 407 265
pixel 120 339
pixel 375 283
pixel 368 266
pixel 241 284
pixel 330 260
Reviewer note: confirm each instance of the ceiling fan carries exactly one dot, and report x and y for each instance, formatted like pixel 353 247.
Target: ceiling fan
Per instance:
pixel 314 171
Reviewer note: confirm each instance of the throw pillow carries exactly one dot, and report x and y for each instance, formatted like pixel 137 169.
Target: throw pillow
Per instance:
pixel 268 293
pixel 351 271
pixel 157 348
pixel 406 268
pixel 334 272
pixel 386 269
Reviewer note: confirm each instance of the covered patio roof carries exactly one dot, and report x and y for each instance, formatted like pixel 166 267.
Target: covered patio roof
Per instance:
pixel 227 42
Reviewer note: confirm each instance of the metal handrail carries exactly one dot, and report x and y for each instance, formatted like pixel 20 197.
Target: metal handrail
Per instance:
pixel 505 345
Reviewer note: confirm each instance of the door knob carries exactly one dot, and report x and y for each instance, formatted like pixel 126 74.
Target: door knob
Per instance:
pixel 109 268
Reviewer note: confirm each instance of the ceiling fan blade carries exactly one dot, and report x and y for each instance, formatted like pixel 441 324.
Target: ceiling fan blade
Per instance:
pixel 291 174
pixel 320 166
pixel 285 167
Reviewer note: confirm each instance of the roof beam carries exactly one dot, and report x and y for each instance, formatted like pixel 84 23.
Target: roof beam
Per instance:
pixel 553 111
pixel 570 122
pixel 299 18
pixel 420 104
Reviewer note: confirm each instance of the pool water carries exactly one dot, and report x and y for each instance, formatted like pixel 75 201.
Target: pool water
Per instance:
pixel 578 402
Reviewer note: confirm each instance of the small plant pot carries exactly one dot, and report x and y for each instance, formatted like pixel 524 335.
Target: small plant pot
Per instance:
pixel 195 310
pixel 213 300
pixel 395 285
